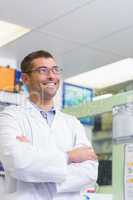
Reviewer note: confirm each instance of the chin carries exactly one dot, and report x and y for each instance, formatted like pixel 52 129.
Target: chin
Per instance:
pixel 49 95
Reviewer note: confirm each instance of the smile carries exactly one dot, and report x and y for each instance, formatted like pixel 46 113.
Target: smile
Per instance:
pixel 49 84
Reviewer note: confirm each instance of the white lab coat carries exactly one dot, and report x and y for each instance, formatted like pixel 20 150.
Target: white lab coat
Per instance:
pixel 38 170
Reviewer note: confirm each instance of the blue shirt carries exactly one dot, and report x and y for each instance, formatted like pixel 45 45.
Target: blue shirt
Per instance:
pixel 48 116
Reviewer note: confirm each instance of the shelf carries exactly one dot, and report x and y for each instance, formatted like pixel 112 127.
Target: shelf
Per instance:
pixel 97 139
pixel 104 152
pixel 100 106
pixel 11 98
pixel 102 135
pixel 104 189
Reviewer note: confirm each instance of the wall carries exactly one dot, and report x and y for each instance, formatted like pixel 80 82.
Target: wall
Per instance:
pixel 8 61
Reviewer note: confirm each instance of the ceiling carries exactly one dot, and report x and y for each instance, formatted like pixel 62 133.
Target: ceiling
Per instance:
pixel 82 34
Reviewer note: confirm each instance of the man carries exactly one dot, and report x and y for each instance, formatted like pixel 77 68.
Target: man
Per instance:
pixel 45 152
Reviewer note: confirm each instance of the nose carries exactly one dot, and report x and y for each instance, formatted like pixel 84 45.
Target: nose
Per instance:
pixel 51 75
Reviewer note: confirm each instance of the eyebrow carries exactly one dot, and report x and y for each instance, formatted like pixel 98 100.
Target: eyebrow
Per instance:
pixel 44 67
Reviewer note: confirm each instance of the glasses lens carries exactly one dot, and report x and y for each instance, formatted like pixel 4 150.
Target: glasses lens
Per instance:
pixel 56 70
pixel 43 70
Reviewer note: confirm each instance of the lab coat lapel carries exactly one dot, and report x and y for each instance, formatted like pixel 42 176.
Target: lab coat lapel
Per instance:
pixel 34 113
pixel 40 130
pixel 37 115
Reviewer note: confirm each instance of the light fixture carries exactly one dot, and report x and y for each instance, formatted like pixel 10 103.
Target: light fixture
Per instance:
pixel 10 32
pixel 105 76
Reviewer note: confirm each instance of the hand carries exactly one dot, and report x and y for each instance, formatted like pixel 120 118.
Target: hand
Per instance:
pixel 81 154
pixel 22 138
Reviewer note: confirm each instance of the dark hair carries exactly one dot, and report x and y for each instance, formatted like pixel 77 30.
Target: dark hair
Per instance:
pixel 26 64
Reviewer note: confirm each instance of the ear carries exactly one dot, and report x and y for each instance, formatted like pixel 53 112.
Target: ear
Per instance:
pixel 25 78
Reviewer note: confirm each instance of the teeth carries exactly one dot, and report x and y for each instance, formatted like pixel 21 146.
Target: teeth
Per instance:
pixel 50 84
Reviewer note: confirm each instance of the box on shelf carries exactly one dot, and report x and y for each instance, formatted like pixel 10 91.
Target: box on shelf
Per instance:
pixel 7 79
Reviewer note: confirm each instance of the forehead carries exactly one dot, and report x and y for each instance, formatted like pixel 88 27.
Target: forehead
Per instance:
pixel 47 62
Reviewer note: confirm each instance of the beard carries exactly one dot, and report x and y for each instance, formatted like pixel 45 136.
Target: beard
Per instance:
pixel 42 93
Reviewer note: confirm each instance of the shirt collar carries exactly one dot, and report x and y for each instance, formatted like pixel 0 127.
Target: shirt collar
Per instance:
pixel 52 109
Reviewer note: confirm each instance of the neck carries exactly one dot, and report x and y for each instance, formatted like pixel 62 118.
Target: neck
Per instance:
pixel 44 104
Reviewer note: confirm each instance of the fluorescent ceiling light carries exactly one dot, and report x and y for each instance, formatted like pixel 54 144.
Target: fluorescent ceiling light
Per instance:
pixel 105 76
pixel 10 32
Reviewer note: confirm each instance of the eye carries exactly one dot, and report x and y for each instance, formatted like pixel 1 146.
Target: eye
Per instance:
pixel 43 69
pixel 57 69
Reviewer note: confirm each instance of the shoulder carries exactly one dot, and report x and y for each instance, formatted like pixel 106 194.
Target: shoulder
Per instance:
pixel 12 110
pixel 17 109
pixel 65 115
pixel 70 118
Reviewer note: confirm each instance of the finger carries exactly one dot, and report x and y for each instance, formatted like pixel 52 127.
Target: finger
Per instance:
pixel 22 138
pixel 18 137
pixel 92 155
pixel 95 157
pixel 92 158
pixel 91 149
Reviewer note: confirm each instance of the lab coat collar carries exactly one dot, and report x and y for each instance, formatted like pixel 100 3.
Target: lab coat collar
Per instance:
pixel 29 107
pixel 52 109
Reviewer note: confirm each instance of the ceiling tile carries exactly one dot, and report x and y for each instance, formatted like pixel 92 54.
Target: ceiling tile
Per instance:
pixel 120 43
pixel 84 59
pixel 35 41
pixel 94 21
pixel 69 28
pixel 34 13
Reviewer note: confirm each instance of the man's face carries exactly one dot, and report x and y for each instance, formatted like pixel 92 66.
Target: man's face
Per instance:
pixel 43 84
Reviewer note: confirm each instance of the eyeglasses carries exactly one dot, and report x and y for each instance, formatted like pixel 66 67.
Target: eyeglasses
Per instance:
pixel 45 70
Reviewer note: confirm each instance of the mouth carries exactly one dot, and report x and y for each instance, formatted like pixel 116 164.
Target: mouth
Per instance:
pixel 49 84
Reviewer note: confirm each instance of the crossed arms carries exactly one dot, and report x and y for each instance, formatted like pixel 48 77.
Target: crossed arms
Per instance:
pixel 27 163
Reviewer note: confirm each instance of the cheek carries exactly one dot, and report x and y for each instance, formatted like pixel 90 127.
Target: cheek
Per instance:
pixel 34 82
pixel 57 79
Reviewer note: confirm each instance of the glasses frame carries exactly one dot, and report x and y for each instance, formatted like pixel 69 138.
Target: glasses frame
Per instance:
pixel 54 69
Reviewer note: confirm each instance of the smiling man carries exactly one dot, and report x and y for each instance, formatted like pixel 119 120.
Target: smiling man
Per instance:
pixel 42 76
pixel 45 152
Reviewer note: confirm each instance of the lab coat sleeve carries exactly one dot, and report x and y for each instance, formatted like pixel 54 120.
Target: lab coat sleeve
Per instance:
pixel 79 175
pixel 25 162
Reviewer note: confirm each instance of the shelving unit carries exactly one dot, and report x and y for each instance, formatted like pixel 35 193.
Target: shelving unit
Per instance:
pixel 11 98
pixel 97 108
pixel 7 98
pixel 100 106
pixel 106 153
pixel 95 139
